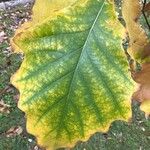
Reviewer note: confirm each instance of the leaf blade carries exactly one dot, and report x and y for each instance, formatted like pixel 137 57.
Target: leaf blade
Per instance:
pixel 75 79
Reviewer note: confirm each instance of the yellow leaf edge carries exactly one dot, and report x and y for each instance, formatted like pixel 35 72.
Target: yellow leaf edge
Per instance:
pixel 73 143
pixel 30 129
pixel 31 24
pixel 17 49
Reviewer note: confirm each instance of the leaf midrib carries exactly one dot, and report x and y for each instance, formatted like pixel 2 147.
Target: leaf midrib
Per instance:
pixel 82 51
pixel 75 71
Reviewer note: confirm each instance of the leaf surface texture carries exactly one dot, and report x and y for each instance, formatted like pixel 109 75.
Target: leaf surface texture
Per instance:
pixel 74 79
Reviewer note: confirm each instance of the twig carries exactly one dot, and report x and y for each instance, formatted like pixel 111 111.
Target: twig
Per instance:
pixel 143 12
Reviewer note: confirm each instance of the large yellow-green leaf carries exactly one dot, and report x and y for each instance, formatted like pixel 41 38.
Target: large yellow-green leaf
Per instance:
pixel 74 79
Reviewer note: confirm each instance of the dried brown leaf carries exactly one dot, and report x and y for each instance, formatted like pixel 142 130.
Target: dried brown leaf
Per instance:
pixel 13 131
pixel 147 8
pixel 16 97
pixel 139 49
pixel 2 36
pixel 139 43
pixel 143 92
pixel 4 108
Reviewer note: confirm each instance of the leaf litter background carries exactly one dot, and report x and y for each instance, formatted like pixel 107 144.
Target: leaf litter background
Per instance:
pixel 134 135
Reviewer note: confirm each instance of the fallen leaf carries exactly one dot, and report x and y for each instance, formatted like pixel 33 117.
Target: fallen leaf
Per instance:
pixel 13 131
pixel 2 36
pixel 16 97
pixel 4 108
pixel 36 148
